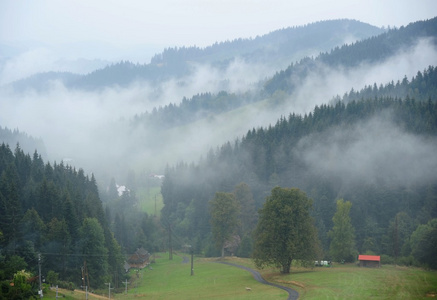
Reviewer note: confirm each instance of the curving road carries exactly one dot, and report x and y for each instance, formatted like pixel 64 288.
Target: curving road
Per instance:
pixel 292 294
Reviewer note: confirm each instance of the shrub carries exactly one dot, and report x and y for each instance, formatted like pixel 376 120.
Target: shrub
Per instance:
pixel 387 259
pixel 66 285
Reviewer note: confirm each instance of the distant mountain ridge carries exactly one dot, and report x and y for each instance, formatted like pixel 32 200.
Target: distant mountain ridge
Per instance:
pixel 287 44
pixel 371 50
pixel 278 48
pixel 284 82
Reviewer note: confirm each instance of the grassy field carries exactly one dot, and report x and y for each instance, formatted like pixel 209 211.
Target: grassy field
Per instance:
pixel 352 282
pixel 148 197
pixel 171 280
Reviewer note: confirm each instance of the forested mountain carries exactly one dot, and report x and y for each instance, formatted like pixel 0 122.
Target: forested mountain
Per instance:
pixel 28 143
pixel 53 210
pixel 377 153
pixel 276 49
pixel 372 50
pixel 422 87
pixel 198 107
pixel 42 82
pixel 367 51
pixel 373 147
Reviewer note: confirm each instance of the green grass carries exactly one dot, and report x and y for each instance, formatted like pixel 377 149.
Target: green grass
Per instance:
pixel 172 280
pixel 353 282
pixel 147 197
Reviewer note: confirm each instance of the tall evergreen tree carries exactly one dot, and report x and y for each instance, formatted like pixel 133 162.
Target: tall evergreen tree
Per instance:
pixel 93 250
pixel 10 207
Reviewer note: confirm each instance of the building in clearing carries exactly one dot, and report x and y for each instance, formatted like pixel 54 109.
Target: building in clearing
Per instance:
pixel 138 260
pixel 371 261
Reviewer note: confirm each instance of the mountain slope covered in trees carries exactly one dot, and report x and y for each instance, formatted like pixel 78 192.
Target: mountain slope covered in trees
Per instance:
pixel 28 143
pixel 277 49
pixel 374 148
pixel 372 50
pixel 54 211
pixel 376 153
pixel 281 85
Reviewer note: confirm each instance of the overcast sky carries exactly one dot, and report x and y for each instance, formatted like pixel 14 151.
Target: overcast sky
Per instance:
pixel 110 29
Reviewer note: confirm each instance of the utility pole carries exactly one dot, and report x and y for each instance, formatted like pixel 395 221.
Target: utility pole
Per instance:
pixel 86 292
pixel 39 276
pixel 125 284
pixel 85 277
pixel 192 261
pixel 170 255
pixel 109 289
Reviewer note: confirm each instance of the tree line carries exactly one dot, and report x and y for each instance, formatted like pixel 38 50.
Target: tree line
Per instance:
pixel 421 88
pixel 371 50
pixel 267 157
pixel 53 210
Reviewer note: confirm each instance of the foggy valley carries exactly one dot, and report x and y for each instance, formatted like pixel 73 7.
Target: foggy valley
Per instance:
pixel 339 109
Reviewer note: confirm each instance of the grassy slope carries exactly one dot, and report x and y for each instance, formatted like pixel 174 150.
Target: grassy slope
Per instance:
pixel 146 197
pixel 352 282
pixel 172 280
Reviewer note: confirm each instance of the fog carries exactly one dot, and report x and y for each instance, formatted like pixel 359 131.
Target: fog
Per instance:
pixel 370 152
pixel 94 129
pixel 42 59
pixel 327 82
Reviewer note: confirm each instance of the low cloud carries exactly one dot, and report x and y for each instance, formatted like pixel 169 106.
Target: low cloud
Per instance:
pixel 326 82
pixel 374 151
pixel 93 128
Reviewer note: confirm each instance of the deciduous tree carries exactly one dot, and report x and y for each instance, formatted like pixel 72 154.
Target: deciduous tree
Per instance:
pixel 285 230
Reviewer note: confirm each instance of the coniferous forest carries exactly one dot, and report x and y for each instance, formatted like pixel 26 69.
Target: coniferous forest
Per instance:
pixel 54 211
pixel 368 151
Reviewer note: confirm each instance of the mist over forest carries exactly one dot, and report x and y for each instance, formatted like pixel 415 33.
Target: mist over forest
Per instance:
pixel 339 109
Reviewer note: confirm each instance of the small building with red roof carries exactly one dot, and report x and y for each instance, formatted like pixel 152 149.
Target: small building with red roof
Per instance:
pixel 371 261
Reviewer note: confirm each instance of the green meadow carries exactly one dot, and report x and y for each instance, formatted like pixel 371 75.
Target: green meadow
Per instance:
pixel 150 200
pixel 352 282
pixel 171 279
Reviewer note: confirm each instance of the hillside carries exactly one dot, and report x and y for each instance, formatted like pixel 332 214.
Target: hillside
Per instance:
pixel 276 50
pixel 322 153
pixel 54 211
pixel 369 51
pixel 28 143
pixel 286 82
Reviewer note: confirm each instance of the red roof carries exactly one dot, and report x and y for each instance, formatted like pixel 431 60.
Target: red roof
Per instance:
pixel 369 257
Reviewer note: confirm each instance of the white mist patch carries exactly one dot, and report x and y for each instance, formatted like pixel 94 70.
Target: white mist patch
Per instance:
pixel 40 60
pixel 93 129
pixel 324 83
pixel 237 77
pixel 369 152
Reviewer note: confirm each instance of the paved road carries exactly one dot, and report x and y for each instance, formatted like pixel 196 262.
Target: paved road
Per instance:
pixel 292 294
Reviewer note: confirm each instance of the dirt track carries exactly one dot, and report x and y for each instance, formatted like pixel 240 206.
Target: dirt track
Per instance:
pixel 90 295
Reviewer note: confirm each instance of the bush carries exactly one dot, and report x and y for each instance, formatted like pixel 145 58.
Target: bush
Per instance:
pixel 68 285
pixel 387 259
pixel 406 261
